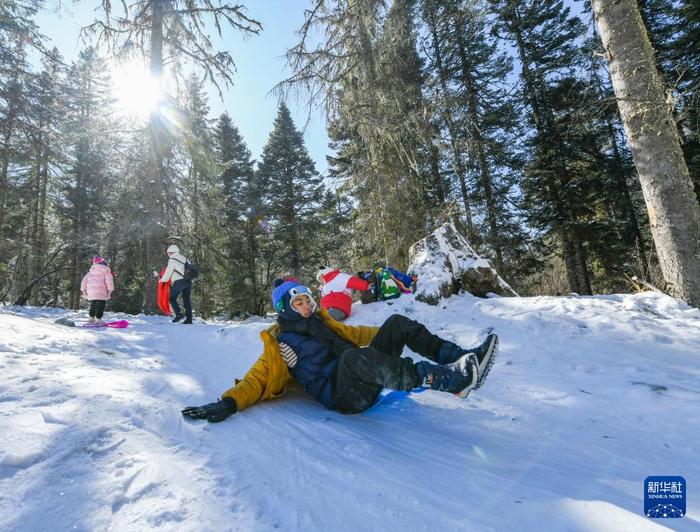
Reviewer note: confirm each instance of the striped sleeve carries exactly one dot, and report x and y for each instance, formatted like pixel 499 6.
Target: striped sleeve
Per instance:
pixel 288 354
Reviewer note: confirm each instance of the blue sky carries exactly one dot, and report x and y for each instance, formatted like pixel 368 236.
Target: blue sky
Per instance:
pixel 259 60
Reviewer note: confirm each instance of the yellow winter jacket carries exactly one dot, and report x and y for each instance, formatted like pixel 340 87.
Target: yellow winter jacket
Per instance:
pixel 269 376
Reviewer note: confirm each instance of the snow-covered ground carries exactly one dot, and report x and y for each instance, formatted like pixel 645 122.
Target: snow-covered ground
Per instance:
pixel 588 396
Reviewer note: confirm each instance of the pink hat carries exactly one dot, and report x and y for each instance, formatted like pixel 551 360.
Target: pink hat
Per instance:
pixel 98 260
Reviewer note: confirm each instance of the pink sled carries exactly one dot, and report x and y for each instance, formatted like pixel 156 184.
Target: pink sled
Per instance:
pixel 119 324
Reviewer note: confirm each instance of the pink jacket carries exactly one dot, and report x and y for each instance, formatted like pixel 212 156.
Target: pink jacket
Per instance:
pixel 98 283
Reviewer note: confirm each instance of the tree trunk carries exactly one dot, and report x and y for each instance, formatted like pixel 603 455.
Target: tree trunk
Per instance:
pixel 21 269
pixel 478 141
pixel 367 72
pixel 553 186
pixel 155 231
pixel 251 304
pixel 35 203
pixel 557 179
pixel 435 172
pixel 78 232
pixel 674 214
pixel 634 233
pixel 456 153
pixel 194 174
pixel 40 247
pixel 7 135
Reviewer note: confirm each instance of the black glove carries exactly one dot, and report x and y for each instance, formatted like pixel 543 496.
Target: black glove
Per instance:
pixel 213 412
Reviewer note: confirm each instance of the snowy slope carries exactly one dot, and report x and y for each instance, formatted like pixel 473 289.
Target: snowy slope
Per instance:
pixel 588 396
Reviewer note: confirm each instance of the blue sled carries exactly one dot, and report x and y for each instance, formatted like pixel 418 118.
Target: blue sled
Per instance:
pixel 391 396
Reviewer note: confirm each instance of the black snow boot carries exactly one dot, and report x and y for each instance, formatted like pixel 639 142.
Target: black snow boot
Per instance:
pixel 178 317
pixel 485 354
pixel 458 378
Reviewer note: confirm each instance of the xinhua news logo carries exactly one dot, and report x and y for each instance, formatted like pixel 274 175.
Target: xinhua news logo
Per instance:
pixel 664 497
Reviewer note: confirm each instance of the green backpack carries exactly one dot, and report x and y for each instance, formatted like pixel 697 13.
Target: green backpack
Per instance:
pixel 388 289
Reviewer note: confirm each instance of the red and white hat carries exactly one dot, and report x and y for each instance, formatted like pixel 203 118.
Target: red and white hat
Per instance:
pixel 323 270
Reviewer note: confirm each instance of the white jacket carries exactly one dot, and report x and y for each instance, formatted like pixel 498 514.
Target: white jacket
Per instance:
pixel 176 268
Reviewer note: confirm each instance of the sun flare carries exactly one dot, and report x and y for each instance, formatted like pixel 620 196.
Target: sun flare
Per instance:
pixel 136 91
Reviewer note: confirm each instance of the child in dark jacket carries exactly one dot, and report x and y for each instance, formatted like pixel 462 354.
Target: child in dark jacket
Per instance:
pixel 346 367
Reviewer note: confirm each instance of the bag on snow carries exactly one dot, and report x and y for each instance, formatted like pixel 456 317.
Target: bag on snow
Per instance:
pixel 387 283
pixel 388 287
pixel 368 296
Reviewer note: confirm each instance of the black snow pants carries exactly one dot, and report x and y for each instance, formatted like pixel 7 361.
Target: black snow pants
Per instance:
pixel 364 371
pixel 97 308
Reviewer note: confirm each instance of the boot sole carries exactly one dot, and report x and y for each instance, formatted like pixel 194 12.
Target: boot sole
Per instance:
pixel 462 394
pixel 491 353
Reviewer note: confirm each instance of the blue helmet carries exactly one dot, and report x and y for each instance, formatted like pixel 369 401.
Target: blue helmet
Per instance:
pixel 282 296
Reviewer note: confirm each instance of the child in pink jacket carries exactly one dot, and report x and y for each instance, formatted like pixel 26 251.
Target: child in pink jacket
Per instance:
pixel 97 287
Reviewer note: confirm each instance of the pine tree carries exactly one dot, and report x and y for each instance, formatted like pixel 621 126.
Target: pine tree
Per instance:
pixel 242 232
pixel 14 118
pixel 368 74
pixel 127 212
pixel 547 40
pixel 18 33
pixel 335 241
pixel 619 195
pixel 203 198
pixel 480 119
pixel 447 103
pixel 18 27
pixel 293 195
pixel 88 102
pixel 403 135
pixel 176 27
pixel 46 151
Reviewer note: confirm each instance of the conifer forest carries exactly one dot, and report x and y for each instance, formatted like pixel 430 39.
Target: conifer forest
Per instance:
pixel 561 138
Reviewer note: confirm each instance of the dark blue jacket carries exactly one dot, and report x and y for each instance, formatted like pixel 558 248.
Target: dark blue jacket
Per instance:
pixel 315 365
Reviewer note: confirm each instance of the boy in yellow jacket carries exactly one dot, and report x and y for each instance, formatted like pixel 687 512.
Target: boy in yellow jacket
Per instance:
pixel 346 367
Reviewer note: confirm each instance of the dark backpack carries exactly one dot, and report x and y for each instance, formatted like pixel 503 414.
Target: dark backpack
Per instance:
pixel 191 271
pixel 368 296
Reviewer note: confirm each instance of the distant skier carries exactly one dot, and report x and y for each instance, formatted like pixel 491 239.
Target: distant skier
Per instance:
pixel 97 287
pixel 336 291
pixel 175 272
pixel 346 367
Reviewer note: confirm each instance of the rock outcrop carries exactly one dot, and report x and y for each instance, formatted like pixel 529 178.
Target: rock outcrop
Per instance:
pixel 445 263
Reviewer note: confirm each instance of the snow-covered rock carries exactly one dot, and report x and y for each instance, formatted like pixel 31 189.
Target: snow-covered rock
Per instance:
pixel 445 263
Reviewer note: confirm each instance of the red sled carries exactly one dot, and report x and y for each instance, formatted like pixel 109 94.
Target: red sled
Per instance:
pixel 164 296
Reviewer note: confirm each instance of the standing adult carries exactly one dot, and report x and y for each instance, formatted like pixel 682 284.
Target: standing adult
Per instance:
pixel 175 272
